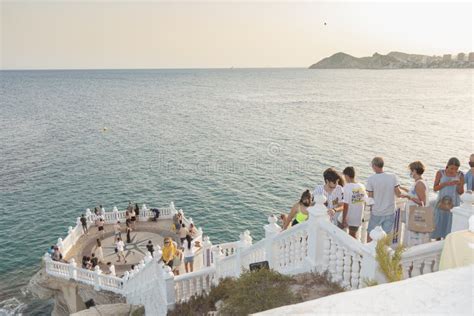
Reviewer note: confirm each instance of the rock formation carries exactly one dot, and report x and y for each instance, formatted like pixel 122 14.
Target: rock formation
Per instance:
pixel 69 296
pixel 393 60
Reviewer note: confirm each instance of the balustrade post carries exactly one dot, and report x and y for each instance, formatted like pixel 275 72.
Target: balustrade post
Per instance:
pixel 271 230
pixel 89 217
pixel 216 256
pixel 148 258
pixel 97 273
pixel 206 251
pixel 245 241
pixel 168 277
pixel 47 260
pixel 69 230
pixel 317 237
pixel 369 266
pixel 462 213
pixel 143 213
pixel 79 224
pixel 72 269
pixel 60 245
pixel 173 209
pixel 115 211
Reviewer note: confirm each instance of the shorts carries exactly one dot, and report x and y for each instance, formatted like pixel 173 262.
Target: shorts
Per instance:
pixel 354 229
pixel 188 260
pixel 101 228
pixel 170 264
pixel 385 221
pixel 133 218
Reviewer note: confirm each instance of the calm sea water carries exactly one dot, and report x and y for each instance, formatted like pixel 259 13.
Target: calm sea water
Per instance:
pixel 227 146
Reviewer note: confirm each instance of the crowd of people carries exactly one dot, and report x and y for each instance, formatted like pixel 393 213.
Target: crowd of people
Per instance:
pixel 184 249
pixel 347 198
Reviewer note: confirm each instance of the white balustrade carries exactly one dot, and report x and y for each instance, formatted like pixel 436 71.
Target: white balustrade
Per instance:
pixel 315 245
pixel 194 283
pixel 462 213
pixel 421 259
pixel 290 249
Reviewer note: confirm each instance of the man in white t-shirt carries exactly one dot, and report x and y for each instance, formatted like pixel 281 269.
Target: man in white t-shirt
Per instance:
pixel 383 187
pixel 354 202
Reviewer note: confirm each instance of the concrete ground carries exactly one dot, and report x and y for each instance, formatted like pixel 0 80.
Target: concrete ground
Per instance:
pixel 134 251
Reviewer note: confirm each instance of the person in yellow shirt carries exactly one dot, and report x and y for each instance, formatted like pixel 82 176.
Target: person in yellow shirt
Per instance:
pixel 169 252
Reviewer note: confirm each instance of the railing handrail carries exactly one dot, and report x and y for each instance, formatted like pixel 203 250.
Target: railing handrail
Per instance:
pixel 195 274
pixel 423 250
pixel 344 238
pixel 290 231
pixel 256 246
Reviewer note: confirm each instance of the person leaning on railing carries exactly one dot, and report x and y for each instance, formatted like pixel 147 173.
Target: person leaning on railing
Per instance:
pixel 299 211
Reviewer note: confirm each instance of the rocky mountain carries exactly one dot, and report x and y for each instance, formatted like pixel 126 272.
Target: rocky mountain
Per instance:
pixel 393 60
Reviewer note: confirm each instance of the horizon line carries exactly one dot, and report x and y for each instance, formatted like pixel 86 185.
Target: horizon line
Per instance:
pixel 164 68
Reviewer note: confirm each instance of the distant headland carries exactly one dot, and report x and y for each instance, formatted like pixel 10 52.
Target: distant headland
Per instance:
pixel 395 60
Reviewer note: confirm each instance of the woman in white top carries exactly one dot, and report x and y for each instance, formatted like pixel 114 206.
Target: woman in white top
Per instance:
pixel 332 190
pixel 188 254
pixel 418 195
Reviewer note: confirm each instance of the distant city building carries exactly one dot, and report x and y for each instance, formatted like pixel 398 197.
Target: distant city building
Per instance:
pixel 461 57
pixel 447 57
pixel 471 57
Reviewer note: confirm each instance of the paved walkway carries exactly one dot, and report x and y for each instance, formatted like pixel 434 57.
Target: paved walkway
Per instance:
pixel 134 251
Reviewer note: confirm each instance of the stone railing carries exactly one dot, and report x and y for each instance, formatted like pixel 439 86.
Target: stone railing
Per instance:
pixel 422 259
pixel 315 245
pixel 151 284
pixel 200 282
pixel 96 278
pixel 111 218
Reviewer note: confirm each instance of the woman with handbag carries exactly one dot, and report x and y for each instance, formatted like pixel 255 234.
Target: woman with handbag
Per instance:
pixel 418 195
pixel 449 183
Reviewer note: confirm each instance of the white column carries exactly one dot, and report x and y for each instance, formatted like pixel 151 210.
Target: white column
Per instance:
pixel 47 261
pixel 97 273
pixel 173 209
pixel 143 213
pixel 116 214
pixel 462 213
pixel 317 236
pixel 370 266
pixel 245 241
pixel 72 269
pixel 60 245
pixel 89 217
pixel 168 276
pixel 79 224
pixel 271 230
pixel 216 255
pixel 207 254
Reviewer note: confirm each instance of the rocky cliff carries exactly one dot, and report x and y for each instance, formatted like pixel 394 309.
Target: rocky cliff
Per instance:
pixel 393 60
pixel 69 296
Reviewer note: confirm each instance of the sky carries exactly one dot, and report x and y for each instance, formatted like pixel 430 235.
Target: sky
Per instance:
pixel 193 34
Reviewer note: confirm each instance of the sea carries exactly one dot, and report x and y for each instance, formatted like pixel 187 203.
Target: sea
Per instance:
pixel 228 146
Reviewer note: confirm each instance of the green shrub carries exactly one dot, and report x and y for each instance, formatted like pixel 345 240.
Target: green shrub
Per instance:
pixel 389 265
pixel 253 292
pixel 258 291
